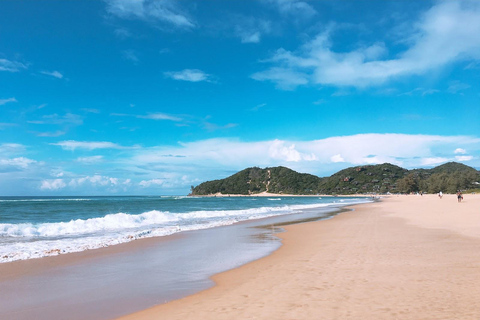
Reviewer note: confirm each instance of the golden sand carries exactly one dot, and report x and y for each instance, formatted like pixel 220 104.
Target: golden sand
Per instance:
pixel 406 257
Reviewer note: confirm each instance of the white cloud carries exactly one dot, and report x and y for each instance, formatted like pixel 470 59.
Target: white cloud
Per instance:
pixel 53 184
pixel 88 145
pixel 337 158
pixel 68 118
pixel 153 11
pixel 192 75
pixel 433 161
pixel 95 181
pixel 457 86
pixel 130 55
pixel 148 183
pixel 90 160
pixel 11 66
pixel 54 74
pixel 306 156
pixel 11 148
pixel 250 29
pixel 460 150
pixel 51 134
pixel 285 78
pixel 19 162
pixel 4 101
pixel 463 158
pixel 160 116
pixel 445 34
pixel 296 8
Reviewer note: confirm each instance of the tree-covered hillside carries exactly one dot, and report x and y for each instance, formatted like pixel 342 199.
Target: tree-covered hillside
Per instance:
pixel 382 178
pixel 256 180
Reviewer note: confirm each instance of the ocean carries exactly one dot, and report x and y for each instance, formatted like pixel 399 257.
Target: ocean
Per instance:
pixel 35 227
pixel 209 236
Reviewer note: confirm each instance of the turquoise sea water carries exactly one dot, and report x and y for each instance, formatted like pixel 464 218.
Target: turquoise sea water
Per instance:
pixel 33 227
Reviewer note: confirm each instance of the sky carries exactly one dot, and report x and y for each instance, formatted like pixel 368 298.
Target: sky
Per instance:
pixel 151 97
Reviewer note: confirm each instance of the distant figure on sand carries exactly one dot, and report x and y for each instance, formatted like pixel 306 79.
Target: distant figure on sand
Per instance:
pixel 440 194
pixel 459 196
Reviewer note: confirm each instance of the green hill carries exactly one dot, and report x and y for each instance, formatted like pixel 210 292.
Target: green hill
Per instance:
pixel 256 180
pixel 381 178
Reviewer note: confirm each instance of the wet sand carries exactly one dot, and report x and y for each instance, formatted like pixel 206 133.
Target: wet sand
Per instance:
pixel 121 279
pixel 406 257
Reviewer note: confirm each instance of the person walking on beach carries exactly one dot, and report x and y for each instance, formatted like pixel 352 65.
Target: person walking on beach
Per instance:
pixel 440 194
pixel 459 196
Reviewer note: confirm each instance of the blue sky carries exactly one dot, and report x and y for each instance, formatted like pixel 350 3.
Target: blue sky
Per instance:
pixel 153 96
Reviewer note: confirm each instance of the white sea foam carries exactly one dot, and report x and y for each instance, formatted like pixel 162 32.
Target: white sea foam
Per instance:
pixel 27 241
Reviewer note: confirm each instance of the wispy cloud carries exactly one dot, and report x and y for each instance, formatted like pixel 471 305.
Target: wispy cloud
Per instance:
pixel 151 116
pixel 51 134
pixel 191 75
pixel 457 86
pixel 90 160
pixel 87 145
pixel 160 116
pixel 258 107
pixel 213 126
pixel 90 110
pixel 20 162
pixel 54 74
pixel 11 66
pixel 250 29
pixel 122 33
pixel 68 118
pixel 166 12
pixel 4 125
pixel 5 101
pixel 444 34
pixel 130 55
pixel 296 8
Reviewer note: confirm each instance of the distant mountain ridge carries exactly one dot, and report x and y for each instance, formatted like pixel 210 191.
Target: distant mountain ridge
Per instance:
pixel 381 178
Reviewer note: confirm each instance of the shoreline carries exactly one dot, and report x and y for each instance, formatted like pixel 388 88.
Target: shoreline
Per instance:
pixel 404 257
pixel 151 270
pixel 268 194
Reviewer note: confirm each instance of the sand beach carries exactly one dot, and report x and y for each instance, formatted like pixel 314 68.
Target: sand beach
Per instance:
pixel 405 257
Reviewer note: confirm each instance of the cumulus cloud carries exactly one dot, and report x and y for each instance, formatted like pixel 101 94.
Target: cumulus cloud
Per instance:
pixel 191 75
pixel 460 150
pixel 445 34
pixel 165 12
pixel 4 101
pixel 148 183
pixel 87 145
pixel 53 184
pixel 11 66
pixel 337 158
pixel 54 74
pixel 307 156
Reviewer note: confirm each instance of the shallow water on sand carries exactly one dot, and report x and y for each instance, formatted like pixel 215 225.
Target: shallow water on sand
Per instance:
pixel 145 274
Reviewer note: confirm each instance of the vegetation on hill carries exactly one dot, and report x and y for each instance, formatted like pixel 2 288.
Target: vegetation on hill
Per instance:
pixel 256 180
pixel 382 178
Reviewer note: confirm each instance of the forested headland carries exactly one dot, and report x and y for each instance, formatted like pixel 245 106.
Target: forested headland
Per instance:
pixel 382 178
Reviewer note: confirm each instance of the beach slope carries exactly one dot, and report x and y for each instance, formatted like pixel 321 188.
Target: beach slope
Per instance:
pixel 406 257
